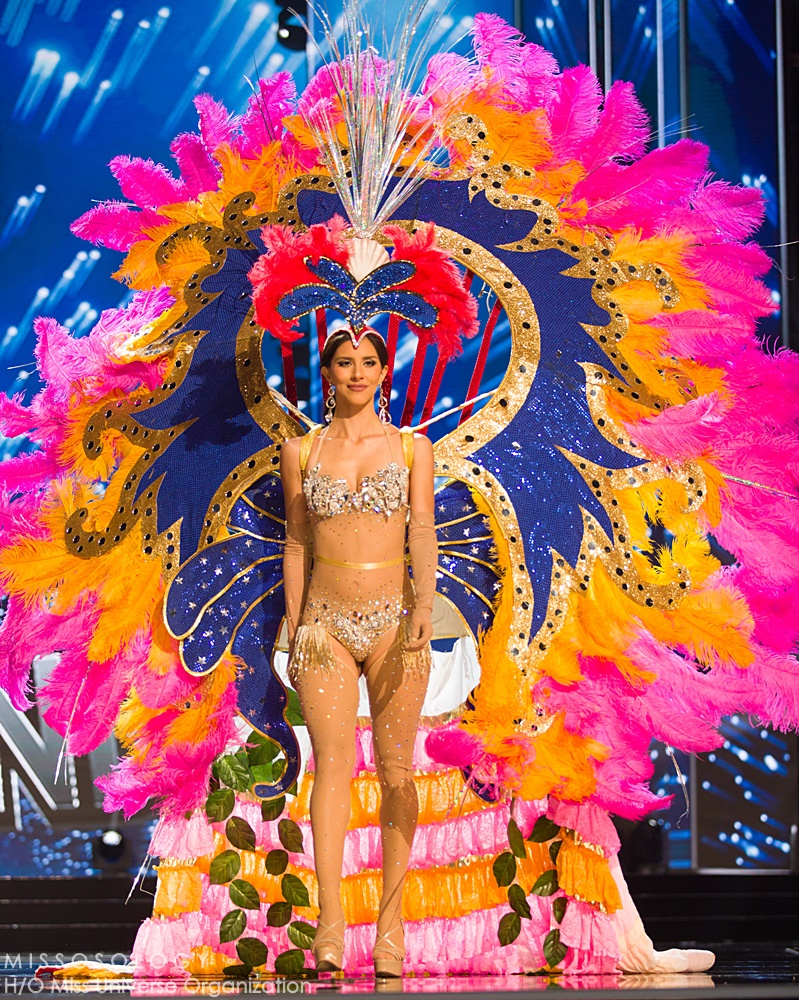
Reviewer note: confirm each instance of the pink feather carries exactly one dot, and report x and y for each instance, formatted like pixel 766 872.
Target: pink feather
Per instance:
pixel 622 132
pixel 146 183
pixel 773 609
pixel 454 747
pixel 197 169
pixel 262 122
pixel 81 698
pixel 27 471
pixel 730 271
pixel 732 211
pixel 574 115
pixel 31 632
pixel 15 417
pixel 216 125
pixel 706 336
pixel 448 74
pixel 681 432
pixel 526 71
pixel 115 225
pixel 643 193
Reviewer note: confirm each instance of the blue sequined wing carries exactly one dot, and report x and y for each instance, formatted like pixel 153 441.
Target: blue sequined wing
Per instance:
pixel 467 576
pixel 229 597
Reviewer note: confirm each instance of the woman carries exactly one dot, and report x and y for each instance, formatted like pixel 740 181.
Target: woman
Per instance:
pixel 351 609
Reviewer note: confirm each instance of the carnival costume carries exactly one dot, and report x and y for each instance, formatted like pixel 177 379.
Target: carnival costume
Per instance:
pixel 144 539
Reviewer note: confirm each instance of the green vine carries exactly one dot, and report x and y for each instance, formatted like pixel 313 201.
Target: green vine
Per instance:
pixel 506 870
pixel 257 762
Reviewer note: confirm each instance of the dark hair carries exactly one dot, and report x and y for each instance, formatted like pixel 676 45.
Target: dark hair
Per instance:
pixel 335 340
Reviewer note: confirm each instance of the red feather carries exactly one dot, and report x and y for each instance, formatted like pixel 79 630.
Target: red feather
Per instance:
pixel 440 283
pixel 282 269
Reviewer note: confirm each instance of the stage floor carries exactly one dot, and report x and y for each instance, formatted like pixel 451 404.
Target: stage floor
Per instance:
pixel 741 971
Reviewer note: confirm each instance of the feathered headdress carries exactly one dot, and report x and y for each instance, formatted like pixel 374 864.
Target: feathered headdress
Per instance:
pixel 322 269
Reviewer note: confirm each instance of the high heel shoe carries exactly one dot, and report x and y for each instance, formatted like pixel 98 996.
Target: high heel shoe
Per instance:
pixel 387 956
pixel 328 947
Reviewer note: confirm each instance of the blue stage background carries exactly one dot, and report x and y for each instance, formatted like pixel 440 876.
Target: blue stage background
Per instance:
pixel 85 80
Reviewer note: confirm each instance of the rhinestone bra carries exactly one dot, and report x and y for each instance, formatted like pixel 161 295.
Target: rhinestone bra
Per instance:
pixel 383 493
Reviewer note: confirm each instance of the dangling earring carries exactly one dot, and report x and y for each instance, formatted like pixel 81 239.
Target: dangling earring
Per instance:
pixel 382 406
pixel 330 404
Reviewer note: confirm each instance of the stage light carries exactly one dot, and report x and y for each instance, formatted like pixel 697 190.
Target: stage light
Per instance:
pixel 123 74
pixel 66 279
pixel 68 84
pixel 100 49
pixel 225 7
pixel 86 323
pixel 20 12
pixel 77 316
pixel 146 47
pixel 183 103
pixel 290 31
pixel 33 90
pixel 92 111
pixel 24 324
pixel 109 847
pixel 771 763
pixel 258 15
pixel 11 333
pixel 68 12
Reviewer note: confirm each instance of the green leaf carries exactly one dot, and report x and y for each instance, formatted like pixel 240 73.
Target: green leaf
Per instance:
pixel 251 951
pixel 518 901
pixel 277 862
pixel 509 927
pixel 543 830
pixel 231 925
pixel 224 867
pixel 263 773
pixel 272 808
pixel 290 963
pixel 294 891
pixel 263 753
pixel 219 804
pixel 237 971
pixel 554 849
pixel 292 790
pixel 504 868
pixel 554 950
pixel 301 934
pixel 546 884
pixel 559 908
pixel 240 834
pixel 290 835
pixel 278 914
pixel 243 893
pixel 293 710
pixel 516 839
pixel 233 773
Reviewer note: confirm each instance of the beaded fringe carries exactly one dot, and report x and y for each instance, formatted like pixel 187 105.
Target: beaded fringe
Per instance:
pixel 311 649
pixel 414 661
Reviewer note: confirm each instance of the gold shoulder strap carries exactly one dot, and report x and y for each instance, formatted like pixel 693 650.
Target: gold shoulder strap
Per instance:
pixel 306 444
pixel 406 436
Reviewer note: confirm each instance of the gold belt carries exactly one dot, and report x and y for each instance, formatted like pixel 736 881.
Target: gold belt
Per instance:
pixel 354 565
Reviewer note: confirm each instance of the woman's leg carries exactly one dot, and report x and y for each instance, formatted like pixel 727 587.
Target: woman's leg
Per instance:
pixel 329 701
pixel 396 696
